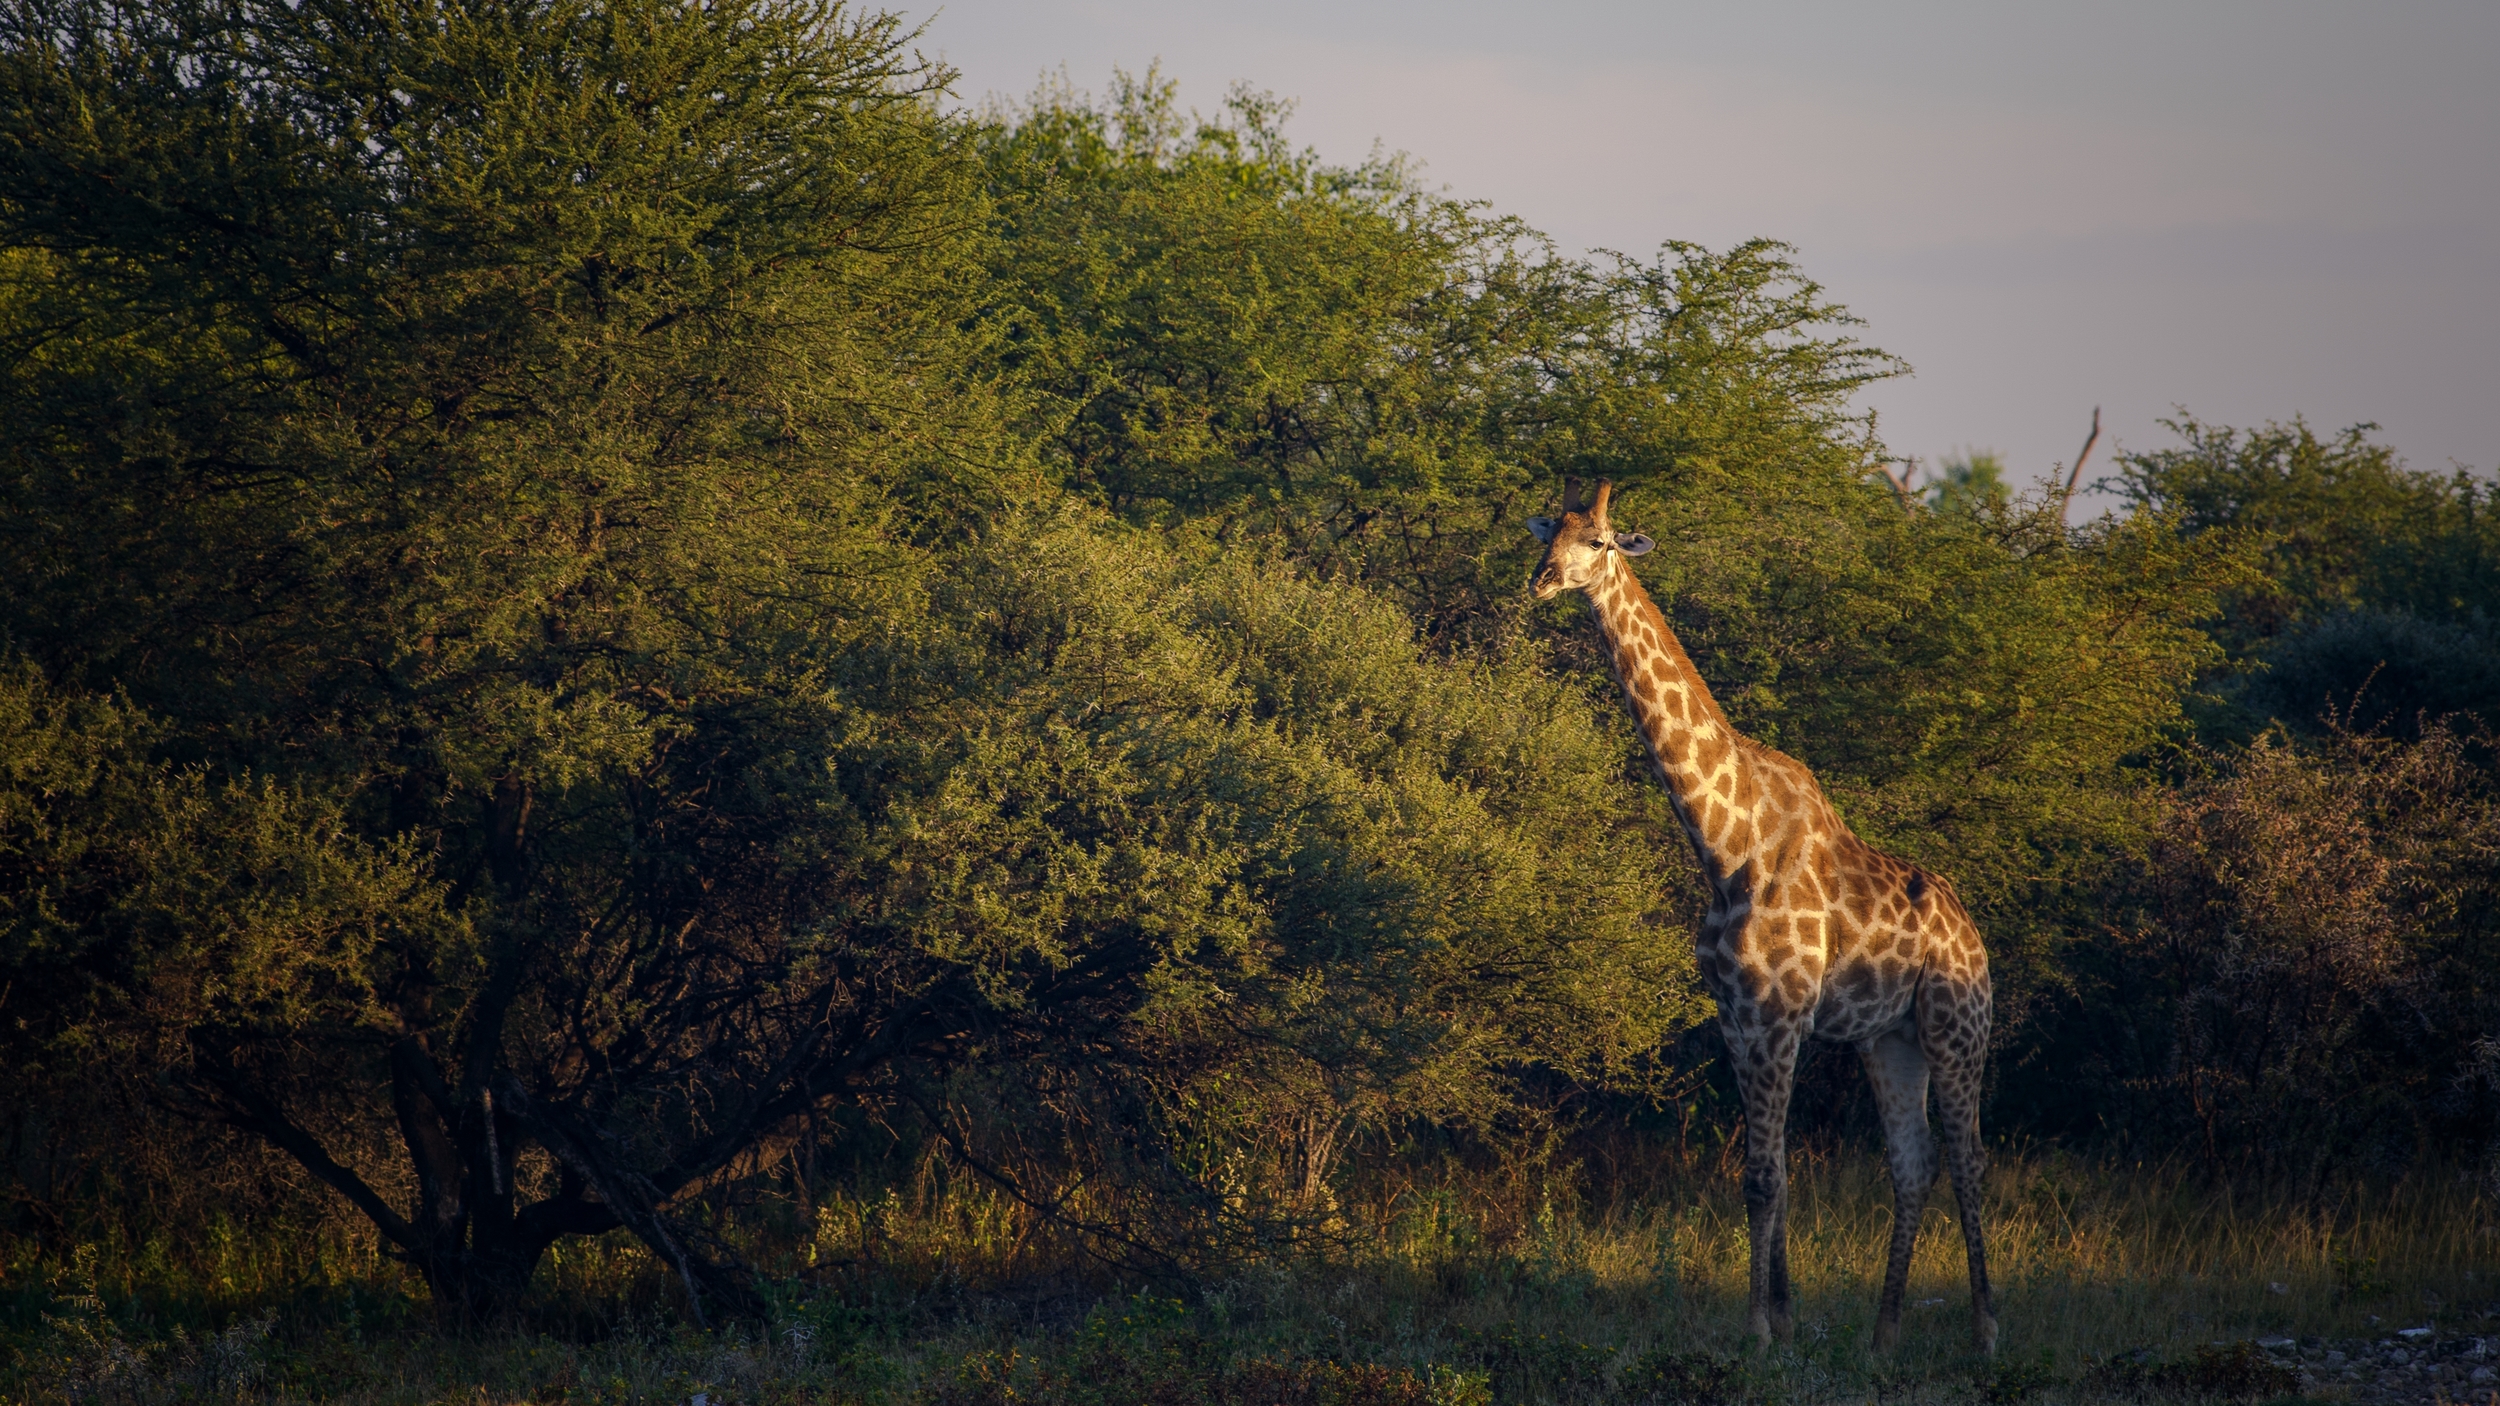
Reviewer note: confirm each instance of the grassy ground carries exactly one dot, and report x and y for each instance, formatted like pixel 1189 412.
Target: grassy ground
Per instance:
pixel 2115 1284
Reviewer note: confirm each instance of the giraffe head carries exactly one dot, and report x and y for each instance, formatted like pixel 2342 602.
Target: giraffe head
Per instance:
pixel 1579 544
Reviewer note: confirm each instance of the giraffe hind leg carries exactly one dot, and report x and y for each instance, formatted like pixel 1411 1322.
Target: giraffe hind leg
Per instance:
pixel 1897 1068
pixel 1968 1163
pixel 1956 1041
pixel 1782 1313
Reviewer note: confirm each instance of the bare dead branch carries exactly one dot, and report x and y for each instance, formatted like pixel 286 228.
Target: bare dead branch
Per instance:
pixel 2075 474
pixel 1900 483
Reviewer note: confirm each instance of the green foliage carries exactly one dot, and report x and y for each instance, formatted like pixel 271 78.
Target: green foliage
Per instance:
pixel 2370 669
pixel 1672 1376
pixel 1522 1365
pixel 601 588
pixel 512 401
pixel 1973 482
pixel 2356 1278
pixel 2344 524
pixel 1973 683
pixel 465 429
pixel 1220 327
pixel 151 902
pixel 2211 1372
pixel 2291 975
pixel 2016 1380
pixel 2377 590
pixel 1214 317
pixel 571 744
pixel 1118 1379
pixel 1366 881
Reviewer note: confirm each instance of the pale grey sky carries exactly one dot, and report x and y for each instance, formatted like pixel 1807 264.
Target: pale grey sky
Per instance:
pixel 2251 209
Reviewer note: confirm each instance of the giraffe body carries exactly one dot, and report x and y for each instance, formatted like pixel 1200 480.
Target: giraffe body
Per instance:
pixel 1809 933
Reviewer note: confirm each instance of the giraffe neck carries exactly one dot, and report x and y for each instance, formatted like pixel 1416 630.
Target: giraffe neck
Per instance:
pixel 1690 739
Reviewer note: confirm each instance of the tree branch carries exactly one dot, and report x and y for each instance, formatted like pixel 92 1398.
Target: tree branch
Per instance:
pixel 561 1215
pixel 257 1113
pixel 2075 475
pixel 631 1199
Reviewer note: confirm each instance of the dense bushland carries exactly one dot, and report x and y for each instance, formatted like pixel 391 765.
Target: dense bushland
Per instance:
pixel 605 600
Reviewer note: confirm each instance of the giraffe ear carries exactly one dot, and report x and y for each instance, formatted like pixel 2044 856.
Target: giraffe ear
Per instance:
pixel 1633 544
pixel 1544 527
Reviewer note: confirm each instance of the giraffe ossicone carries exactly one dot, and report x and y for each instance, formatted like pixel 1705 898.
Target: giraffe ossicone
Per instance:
pixel 1809 932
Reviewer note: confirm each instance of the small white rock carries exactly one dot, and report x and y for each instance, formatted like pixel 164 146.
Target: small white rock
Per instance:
pixel 2272 1288
pixel 2481 1375
pixel 2413 1334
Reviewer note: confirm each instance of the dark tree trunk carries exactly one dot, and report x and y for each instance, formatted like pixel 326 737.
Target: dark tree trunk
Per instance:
pixel 484 1278
pixel 476 1247
pixel 475 1244
pixel 464 1116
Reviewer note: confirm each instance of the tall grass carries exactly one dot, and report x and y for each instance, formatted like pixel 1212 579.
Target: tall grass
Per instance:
pixel 930 1288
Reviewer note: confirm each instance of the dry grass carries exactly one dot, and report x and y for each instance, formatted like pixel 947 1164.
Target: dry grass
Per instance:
pixel 927 1293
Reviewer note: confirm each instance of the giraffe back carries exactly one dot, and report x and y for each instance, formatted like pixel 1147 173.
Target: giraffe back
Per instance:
pixel 1815 921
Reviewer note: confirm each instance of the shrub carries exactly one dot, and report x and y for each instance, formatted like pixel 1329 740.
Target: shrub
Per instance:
pixel 2377 670
pixel 2296 970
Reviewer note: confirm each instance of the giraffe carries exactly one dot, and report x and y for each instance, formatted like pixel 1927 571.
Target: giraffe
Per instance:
pixel 1809 932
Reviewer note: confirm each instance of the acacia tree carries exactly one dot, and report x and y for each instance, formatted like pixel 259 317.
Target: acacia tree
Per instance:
pixel 1217 326
pixel 470 420
pixel 2375 595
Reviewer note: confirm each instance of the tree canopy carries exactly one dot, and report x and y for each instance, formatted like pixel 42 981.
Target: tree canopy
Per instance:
pixel 593 583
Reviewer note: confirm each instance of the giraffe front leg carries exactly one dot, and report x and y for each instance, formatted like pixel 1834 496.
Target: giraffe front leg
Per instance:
pixel 1765 1060
pixel 1897 1069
